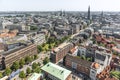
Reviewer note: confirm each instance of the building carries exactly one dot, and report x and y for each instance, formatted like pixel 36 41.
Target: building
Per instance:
pixel 12 55
pixel 2 47
pixel 61 51
pixel 14 26
pixel 35 76
pixel 39 39
pixel 89 13
pixel 81 51
pixel 77 64
pixel 103 58
pixel 8 34
pixel 54 72
pixel 95 69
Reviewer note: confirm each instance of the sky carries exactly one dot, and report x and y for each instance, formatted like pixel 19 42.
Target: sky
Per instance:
pixel 57 5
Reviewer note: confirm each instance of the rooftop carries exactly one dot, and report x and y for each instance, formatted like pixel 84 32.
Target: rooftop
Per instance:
pixel 116 49
pixel 57 71
pixel 34 76
pixel 61 46
pixel 79 61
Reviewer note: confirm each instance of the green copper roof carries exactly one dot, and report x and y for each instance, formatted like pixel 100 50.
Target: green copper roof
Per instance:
pixel 34 76
pixel 57 71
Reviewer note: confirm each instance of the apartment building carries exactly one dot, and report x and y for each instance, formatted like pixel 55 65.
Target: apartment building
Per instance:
pixel 12 55
pixel 61 51
pixel 78 64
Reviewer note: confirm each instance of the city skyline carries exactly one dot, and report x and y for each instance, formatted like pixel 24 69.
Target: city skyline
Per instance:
pixel 56 5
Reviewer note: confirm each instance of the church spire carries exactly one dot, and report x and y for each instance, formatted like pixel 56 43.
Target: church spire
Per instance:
pixel 89 13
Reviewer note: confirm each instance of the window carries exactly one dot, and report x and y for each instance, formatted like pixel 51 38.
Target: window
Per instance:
pixel 74 65
pixel 92 72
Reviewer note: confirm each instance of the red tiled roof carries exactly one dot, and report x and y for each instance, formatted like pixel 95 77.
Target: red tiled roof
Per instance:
pixel 95 65
pixel 72 50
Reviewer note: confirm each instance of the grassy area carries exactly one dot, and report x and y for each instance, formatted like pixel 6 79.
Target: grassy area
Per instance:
pixel 51 43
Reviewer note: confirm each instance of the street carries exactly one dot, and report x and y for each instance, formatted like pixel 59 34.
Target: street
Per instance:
pixel 40 59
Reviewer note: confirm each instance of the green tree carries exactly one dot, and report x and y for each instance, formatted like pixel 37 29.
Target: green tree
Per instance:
pixel 33 28
pixel 89 59
pixel 22 75
pixel 1 75
pixel 43 44
pixel 39 48
pixel 21 62
pixel 32 58
pixel 28 59
pixel 46 60
pixel 28 71
pixel 35 56
pixel 83 57
pixel 39 64
pixel 34 65
pixel 15 65
pixel 37 70
pixel 49 46
pixel 7 71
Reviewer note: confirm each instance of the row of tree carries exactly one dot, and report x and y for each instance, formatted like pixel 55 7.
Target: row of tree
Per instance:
pixel 35 68
pixel 16 65
pixel 50 41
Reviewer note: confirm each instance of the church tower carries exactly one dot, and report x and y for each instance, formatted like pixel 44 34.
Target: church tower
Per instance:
pixel 89 13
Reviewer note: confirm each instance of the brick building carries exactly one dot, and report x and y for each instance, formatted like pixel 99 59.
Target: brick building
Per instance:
pixel 78 64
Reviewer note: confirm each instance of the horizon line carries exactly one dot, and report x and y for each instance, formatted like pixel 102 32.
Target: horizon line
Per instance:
pixel 58 11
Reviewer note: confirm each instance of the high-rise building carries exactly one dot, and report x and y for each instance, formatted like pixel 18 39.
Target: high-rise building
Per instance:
pixel 89 13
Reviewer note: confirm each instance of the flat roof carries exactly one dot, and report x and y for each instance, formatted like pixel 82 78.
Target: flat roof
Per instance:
pixel 61 46
pixel 57 71
pixel 34 76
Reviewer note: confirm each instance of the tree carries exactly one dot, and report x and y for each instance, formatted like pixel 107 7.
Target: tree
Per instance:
pixel 32 58
pixel 43 44
pixel 89 59
pixel 39 64
pixel 1 75
pixel 83 57
pixel 34 65
pixel 35 56
pixel 49 46
pixel 7 71
pixel 22 74
pixel 39 48
pixel 28 71
pixel 37 70
pixel 33 28
pixel 46 60
pixel 21 62
pixel 27 59
pixel 15 66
